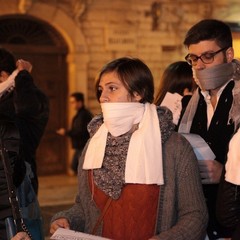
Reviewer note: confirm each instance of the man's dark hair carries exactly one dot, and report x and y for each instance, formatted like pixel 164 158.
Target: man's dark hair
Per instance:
pixel 209 29
pixel 78 96
pixel 7 61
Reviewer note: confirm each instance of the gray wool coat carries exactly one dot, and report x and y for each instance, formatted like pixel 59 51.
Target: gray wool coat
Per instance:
pixel 182 213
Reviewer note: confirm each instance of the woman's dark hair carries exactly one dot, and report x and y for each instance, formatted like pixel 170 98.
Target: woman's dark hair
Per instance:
pixel 176 77
pixel 135 76
pixel 7 61
pixel 209 29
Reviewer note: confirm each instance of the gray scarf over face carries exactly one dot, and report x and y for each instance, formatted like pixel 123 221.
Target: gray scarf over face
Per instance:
pixel 214 77
pixel 230 71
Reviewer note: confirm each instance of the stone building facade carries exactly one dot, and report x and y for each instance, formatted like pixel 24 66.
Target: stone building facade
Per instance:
pixel 96 31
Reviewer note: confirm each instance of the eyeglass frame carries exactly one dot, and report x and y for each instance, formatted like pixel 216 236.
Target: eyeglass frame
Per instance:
pixel 213 54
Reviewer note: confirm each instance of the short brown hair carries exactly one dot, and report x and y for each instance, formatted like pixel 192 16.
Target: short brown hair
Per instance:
pixel 135 76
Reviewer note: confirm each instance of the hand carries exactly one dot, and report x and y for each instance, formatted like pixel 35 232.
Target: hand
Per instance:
pixel 59 223
pixel 210 171
pixel 61 131
pixel 21 236
pixel 23 65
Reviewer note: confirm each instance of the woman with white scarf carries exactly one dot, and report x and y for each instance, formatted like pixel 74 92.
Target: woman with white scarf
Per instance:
pixel 138 178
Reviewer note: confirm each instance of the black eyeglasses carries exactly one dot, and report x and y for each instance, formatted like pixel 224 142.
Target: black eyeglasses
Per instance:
pixel 206 58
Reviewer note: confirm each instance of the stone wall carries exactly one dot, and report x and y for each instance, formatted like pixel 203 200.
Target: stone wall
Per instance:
pixel 151 30
pixel 97 31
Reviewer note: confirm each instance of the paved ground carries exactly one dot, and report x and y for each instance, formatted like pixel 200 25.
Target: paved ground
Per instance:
pixel 56 193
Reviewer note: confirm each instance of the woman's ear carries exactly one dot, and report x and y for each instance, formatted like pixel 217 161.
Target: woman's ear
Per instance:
pixel 137 97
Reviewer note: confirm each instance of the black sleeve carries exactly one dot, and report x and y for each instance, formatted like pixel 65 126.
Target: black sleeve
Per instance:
pixel 29 101
pixel 236 234
pixel 228 204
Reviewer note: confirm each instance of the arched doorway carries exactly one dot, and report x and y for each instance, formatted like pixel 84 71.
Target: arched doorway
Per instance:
pixel 36 41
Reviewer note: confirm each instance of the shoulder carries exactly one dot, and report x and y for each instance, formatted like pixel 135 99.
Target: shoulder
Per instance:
pixel 24 83
pixel 179 161
pixel 171 140
pixel 95 124
pixel 165 122
pixel 178 150
pixel 23 79
pixel 176 139
pixel 87 112
pixel 84 112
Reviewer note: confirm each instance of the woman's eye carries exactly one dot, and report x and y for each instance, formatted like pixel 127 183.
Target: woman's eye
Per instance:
pixel 112 88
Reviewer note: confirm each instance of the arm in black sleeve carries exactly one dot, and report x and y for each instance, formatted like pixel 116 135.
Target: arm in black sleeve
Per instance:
pixel 29 101
pixel 228 204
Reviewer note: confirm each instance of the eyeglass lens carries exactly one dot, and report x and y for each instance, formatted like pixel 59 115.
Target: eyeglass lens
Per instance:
pixel 206 58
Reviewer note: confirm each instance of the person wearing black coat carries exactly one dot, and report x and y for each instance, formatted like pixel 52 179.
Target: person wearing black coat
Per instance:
pixel 78 132
pixel 24 111
pixel 228 207
pixel 228 201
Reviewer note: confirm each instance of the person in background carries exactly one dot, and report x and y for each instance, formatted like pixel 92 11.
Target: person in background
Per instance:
pixel 177 79
pixel 24 104
pixel 78 132
pixel 118 198
pixel 24 111
pixel 214 107
pixel 228 201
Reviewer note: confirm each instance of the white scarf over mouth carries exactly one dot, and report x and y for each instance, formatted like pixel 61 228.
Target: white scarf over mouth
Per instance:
pixel 144 157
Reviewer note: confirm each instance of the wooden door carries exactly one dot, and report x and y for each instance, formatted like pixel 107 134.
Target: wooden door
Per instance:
pixel 48 58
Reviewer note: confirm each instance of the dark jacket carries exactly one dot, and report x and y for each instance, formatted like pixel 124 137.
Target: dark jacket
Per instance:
pixel 78 132
pixel 32 112
pixel 23 116
pixel 228 207
pixel 217 135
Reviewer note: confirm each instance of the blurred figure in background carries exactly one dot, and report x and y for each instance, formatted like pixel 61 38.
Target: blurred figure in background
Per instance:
pixel 176 87
pixel 78 132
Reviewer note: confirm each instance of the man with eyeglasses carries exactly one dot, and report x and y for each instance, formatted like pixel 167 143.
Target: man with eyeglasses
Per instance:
pixel 214 108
